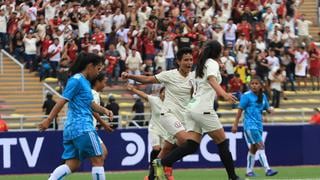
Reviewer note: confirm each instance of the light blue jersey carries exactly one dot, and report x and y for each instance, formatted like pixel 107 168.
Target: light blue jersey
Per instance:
pixel 253 110
pixel 79 116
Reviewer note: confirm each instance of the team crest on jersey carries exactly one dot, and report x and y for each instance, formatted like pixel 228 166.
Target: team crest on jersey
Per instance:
pixel 178 124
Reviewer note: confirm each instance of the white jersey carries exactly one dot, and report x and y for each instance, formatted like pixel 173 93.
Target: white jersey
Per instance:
pixel 96 99
pixel 203 94
pixel 178 90
pixel 155 104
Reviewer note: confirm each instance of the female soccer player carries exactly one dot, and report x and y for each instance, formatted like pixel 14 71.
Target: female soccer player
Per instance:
pixel 156 132
pixel 178 88
pixel 201 117
pixel 80 139
pixel 97 85
pixel 253 103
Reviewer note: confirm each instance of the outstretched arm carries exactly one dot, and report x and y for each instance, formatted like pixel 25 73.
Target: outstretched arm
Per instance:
pixel 138 92
pixel 140 78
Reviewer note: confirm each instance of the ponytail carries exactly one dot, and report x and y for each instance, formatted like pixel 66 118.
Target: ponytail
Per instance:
pixel 211 49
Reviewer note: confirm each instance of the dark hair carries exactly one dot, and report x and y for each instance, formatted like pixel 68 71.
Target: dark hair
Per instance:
pixel 211 49
pixel 182 51
pixel 100 77
pixel 83 60
pixel 162 89
pixel 49 96
pixel 260 93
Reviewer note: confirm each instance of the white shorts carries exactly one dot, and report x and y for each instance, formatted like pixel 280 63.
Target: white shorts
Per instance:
pixel 202 122
pixel 171 124
pixel 155 138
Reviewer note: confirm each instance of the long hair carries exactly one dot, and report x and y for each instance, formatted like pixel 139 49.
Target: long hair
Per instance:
pixel 260 92
pixel 83 60
pixel 211 49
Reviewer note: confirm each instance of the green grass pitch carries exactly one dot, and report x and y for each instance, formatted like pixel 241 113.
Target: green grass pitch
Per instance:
pixel 303 172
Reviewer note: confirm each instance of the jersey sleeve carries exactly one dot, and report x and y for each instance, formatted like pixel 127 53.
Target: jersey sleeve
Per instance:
pixel 163 77
pixel 212 69
pixel 153 101
pixel 71 89
pixel 244 101
pixel 96 97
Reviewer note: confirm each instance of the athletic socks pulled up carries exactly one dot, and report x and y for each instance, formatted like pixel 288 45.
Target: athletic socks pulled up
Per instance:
pixel 97 173
pixel 250 162
pixel 153 156
pixel 189 147
pixel 263 159
pixel 226 158
pixel 60 172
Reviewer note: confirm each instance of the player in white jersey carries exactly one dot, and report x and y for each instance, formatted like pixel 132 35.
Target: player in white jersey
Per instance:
pixel 201 117
pixel 97 85
pixel 156 133
pixel 178 88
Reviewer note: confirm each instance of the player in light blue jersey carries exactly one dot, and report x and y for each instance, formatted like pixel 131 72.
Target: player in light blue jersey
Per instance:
pixel 253 103
pixel 80 139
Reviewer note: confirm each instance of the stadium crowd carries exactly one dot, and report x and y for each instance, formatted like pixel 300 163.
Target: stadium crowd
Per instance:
pixel 268 38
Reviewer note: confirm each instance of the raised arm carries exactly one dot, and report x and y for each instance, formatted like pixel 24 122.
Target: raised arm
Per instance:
pixel 140 78
pixel 138 92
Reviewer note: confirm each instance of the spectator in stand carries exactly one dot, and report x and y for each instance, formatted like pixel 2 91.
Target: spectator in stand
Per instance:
pixel 30 44
pixel 277 77
pixel 18 46
pixel 47 107
pixel 228 62
pixel 160 61
pixel 54 55
pixel 260 44
pixel 301 61
pixel 315 119
pixel 114 107
pixel 134 63
pixel 230 30
pixel 138 109
pixel 168 47
pixel 113 68
pixel 236 87
pixel 121 48
pixel 273 61
pixel 314 69
pixel 3 29
pixel 3 125
pixel 72 50
pixel 94 47
pixel 303 30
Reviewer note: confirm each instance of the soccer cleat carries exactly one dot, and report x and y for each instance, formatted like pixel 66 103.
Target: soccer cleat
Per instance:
pixel 271 172
pixel 236 178
pixel 251 174
pixel 168 173
pixel 158 169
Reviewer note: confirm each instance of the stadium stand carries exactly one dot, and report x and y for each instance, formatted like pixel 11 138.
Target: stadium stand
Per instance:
pixel 15 102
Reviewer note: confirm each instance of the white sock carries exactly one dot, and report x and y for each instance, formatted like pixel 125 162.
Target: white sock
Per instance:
pixel 263 159
pixel 250 162
pixel 60 172
pixel 98 173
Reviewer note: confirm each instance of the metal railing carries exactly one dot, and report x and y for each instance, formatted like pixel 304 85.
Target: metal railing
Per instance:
pixel 129 121
pixel 14 60
pixel 47 88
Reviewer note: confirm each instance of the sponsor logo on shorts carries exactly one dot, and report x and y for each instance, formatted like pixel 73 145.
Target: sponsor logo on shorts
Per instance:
pixel 177 124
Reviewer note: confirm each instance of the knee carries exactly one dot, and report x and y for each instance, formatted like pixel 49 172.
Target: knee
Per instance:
pixel 97 161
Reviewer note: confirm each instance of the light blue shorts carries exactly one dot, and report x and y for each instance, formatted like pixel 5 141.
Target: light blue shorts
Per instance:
pixel 253 136
pixel 82 147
